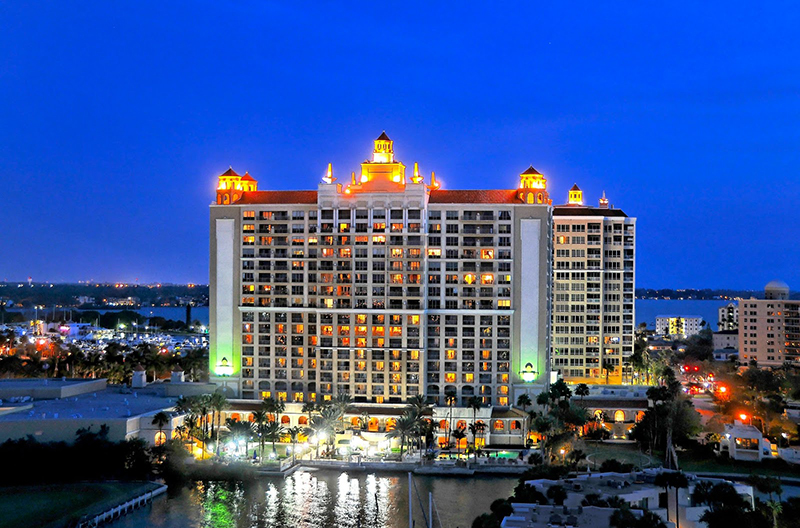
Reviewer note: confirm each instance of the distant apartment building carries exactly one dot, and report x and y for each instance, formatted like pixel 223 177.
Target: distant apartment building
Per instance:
pixel 728 317
pixel 678 327
pixel 769 329
pixel 385 286
pixel 594 279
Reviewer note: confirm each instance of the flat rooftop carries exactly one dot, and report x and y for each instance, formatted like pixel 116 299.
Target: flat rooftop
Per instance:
pixel 30 383
pixel 603 484
pixel 538 516
pixel 110 403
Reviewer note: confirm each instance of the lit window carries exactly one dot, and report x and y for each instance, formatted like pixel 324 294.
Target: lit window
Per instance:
pixel 487 254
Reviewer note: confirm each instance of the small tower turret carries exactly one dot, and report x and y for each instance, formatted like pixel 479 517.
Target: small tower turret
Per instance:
pixel 575 195
pixel 231 186
pixel 533 187
pixel 603 201
pixel 384 149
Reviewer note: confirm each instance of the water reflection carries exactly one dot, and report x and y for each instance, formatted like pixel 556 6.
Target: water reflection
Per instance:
pixel 322 499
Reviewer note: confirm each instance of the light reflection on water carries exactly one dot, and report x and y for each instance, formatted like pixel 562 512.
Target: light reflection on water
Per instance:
pixel 322 499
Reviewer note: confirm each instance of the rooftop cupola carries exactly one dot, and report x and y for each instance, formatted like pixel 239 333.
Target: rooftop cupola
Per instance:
pixel 575 195
pixel 384 149
pixel 231 186
pixel 533 187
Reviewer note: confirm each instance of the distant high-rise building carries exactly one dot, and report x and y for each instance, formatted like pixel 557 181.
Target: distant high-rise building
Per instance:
pixel 385 286
pixel 769 328
pixel 594 279
pixel 728 317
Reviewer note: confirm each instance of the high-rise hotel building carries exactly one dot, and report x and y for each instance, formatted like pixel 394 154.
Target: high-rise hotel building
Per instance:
pixel 382 286
pixel 594 273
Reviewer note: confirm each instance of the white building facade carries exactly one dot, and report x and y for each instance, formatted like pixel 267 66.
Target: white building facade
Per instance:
pixel 384 287
pixel 594 280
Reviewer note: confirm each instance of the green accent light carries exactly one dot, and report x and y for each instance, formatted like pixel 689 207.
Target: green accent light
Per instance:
pixel 223 368
pixel 528 375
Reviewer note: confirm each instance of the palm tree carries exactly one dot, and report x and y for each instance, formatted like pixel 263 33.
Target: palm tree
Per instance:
pixel 450 400
pixel 419 403
pixel 218 403
pixel 523 401
pixel 363 420
pixel 260 419
pixel 458 434
pixel 609 367
pixel 475 404
pixel 543 400
pixel 308 408
pixel 543 425
pixel 273 432
pixel 672 479
pixel 294 433
pixel 342 403
pixel 202 406
pixel 776 508
pixel 240 431
pixel 160 419
pixel 575 457
pixel 320 427
pixel 274 407
pixel 405 427
pixel 582 390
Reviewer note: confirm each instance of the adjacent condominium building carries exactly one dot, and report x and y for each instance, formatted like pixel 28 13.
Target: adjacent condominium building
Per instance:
pixel 728 317
pixel 386 286
pixel 594 279
pixel 769 328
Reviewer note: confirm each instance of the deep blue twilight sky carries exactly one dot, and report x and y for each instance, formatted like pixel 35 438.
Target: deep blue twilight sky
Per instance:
pixel 116 118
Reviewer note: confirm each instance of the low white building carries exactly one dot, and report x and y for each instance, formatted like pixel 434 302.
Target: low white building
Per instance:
pixel 638 490
pixel 678 326
pixel 745 442
pixel 726 339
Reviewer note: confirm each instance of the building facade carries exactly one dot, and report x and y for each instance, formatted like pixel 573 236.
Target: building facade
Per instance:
pixel 594 279
pixel 384 287
pixel 728 317
pixel 769 329
pixel 726 339
pixel 678 327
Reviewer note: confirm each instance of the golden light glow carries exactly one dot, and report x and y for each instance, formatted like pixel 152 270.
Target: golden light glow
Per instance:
pixel 328 178
pixel 417 178
pixel 434 185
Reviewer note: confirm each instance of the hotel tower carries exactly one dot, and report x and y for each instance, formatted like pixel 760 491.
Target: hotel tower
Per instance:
pixel 385 285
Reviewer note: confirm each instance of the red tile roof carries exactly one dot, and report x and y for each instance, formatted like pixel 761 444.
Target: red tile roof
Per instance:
pixel 383 137
pixel 229 172
pixel 279 197
pixel 247 177
pixel 531 170
pixel 475 196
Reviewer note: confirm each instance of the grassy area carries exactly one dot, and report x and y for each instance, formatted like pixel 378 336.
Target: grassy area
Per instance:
pixel 697 462
pixel 598 452
pixel 56 504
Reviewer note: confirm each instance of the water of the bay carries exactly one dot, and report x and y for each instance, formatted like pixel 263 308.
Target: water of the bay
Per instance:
pixel 324 499
pixel 646 311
